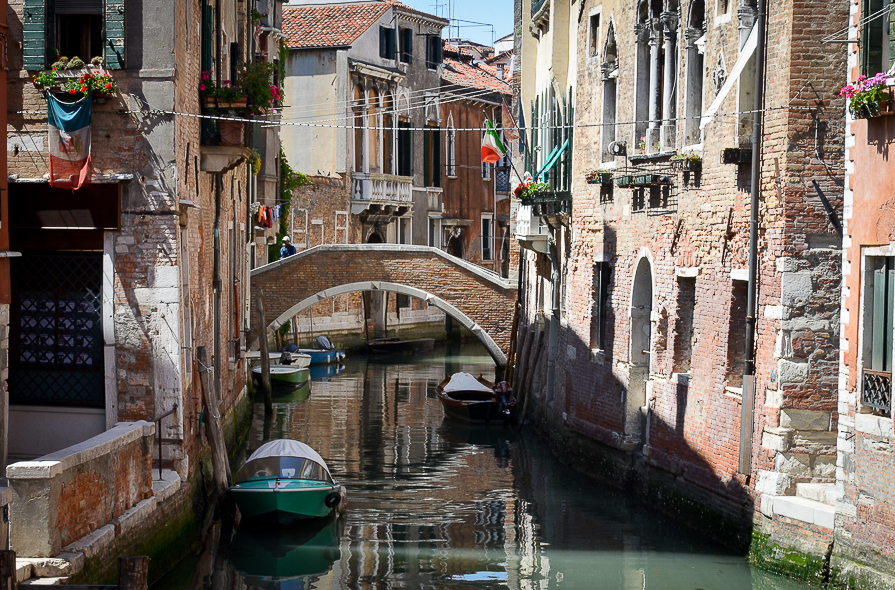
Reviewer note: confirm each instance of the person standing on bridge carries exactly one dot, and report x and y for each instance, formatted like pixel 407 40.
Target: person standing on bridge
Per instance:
pixel 288 249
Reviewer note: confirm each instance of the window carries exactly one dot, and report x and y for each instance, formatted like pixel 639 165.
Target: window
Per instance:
pixel 405 148
pixel 450 141
pixel 486 170
pixel 406 45
pixel 387 43
pixel 435 232
pixel 404 230
pixel 695 73
pixel 317 232
pixel 594 36
pixel 599 299
pixel 876 381
pixel 610 94
pixel 432 156
pixel 683 324
pixel 73 28
pixel 723 7
pixel 341 227
pixel 877 41
pixel 433 51
pixel 656 98
pixel 736 333
pixel 486 238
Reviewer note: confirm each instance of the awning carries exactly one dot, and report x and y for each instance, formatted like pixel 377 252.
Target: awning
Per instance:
pixel 552 159
pixel 738 67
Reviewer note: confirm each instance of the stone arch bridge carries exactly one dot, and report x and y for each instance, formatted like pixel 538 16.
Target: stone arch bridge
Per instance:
pixel 475 297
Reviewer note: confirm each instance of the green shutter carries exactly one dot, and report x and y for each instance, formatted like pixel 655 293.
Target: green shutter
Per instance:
pixel 34 45
pixel 114 34
pixel 878 342
pixel 427 137
pixel 436 156
pixel 871 42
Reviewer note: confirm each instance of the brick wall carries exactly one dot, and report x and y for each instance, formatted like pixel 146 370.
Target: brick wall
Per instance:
pixel 702 235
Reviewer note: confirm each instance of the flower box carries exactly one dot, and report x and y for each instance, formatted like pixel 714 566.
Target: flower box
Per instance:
pixel 624 181
pixel 216 103
pixel 736 156
pixel 686 164
pixel 646 179
pixel 600 178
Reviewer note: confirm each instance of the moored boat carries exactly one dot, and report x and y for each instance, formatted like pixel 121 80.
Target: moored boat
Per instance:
pixel 276 358
pixel 287 480
pixel 285 375
pixel 326 353
pixel 398 346
pixel 472 399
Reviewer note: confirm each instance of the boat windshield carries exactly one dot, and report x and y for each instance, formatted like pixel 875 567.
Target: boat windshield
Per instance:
pixel 283 467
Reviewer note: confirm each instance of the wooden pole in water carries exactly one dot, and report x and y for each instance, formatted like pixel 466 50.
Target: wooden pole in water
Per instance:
pixel 265 354
pixel 215 432
pixel 133 573
pixel 522 358
pixel 511 357
pixel 7 570
pixel 295 330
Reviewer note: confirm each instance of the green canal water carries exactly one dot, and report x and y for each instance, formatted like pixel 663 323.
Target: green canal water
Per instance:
pixel 434 504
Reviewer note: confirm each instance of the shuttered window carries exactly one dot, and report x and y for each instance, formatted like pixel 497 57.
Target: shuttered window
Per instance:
pixel 86 28
pixel 387 44
pixel 433 51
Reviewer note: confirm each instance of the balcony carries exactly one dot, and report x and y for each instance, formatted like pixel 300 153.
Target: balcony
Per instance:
pixel 381 193
pixel 550 203
pixel 531 231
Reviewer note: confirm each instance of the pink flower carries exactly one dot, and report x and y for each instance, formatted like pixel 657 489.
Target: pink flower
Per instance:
pixel 201 87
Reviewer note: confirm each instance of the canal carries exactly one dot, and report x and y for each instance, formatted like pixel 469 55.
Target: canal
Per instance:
pixel 439 505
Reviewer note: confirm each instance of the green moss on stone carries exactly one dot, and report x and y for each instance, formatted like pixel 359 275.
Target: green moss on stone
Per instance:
pixel 787 561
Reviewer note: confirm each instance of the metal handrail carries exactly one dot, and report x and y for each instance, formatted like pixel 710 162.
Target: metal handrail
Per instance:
pixel 161 441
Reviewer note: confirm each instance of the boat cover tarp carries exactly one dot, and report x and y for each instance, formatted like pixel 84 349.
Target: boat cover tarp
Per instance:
pixel 464 382
pixel 284 447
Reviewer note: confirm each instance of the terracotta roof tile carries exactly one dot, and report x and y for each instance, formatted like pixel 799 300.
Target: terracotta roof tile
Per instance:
pixel 468 75
pixel 329 25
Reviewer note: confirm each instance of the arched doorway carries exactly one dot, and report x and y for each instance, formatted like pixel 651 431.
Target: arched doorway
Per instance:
pixel 640 354
pixel 376 303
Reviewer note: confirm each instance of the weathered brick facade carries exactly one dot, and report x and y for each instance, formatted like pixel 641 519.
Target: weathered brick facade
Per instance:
pixel 864 548
pixel 661 378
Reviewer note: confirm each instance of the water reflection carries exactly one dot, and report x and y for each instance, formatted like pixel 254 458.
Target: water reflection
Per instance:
pixel 434 504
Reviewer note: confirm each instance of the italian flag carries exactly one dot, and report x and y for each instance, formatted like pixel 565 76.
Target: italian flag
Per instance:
pixel 69 141
pixel 492 148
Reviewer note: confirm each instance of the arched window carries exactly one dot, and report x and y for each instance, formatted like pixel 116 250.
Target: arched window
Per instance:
pixel 610 105
pixel 695 37
pixel 642 32
pixel 388 134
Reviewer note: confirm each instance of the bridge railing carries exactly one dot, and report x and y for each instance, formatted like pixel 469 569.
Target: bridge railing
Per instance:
pixel 381 187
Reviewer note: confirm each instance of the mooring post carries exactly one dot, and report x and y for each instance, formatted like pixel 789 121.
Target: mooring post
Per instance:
pixel 133 573
pixel 7 570
pixel 265 353
pixel 220 464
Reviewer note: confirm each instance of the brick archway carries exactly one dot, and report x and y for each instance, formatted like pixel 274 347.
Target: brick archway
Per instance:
pixel 478 299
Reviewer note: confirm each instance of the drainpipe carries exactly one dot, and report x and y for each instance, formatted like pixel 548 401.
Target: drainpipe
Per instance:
pixel 747 418
pixel 216 285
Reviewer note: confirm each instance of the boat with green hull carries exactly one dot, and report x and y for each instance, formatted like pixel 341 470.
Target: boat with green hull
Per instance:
pixel 287 480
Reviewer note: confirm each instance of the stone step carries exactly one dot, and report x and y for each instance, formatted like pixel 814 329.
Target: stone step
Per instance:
pixel 45 581
pixel 23 570
pixel 824 493
pixel 806 510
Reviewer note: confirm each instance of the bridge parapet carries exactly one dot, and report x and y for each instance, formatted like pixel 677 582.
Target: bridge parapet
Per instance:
pixel 477 298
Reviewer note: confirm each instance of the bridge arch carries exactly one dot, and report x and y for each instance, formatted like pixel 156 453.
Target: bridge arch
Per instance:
pixel 493 349
pixel 475 297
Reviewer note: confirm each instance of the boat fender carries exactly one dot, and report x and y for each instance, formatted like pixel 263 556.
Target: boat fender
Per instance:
pixel 332 499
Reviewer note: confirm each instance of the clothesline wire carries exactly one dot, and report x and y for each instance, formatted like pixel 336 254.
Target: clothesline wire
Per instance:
pixel 860 23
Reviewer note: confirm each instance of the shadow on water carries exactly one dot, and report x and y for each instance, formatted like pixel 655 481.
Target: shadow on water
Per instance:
pixel 434 504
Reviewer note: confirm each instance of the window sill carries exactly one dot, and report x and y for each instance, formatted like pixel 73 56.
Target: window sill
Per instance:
pixel 654 156
pixel 736 392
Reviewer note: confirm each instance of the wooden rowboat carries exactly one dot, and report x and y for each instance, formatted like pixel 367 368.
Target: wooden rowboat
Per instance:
pixel 471 399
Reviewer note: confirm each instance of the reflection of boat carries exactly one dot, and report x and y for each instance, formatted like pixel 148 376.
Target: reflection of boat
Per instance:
pixel 324 372
pixel 325 354
pixel 272 556
pixel 292 395
pixel 286 479
pixel 398 346
pixel 298 360
pixel 284 375
pixel 472 399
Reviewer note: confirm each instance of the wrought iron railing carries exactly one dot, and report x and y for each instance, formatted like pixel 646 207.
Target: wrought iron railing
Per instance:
pixel 502 177
pixel 550 203
pixel 56 330
pixel 876 392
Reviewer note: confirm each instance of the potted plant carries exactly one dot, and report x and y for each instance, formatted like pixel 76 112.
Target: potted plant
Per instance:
pixel 866 95
pixel 250 90
pixel 597 176
pixel 686 162
pixel 736 156
pixel 96 83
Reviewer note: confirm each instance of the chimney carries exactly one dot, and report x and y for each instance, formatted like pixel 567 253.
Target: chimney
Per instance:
pixel 500 71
